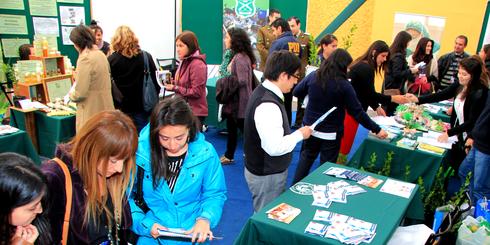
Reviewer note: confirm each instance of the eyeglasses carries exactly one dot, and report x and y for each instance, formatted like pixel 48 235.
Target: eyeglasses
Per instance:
pixel 295 76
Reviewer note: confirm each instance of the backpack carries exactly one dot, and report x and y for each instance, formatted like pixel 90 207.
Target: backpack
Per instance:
pixel 150 95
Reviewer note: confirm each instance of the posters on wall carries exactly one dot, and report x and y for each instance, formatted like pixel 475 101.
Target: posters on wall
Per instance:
pixel 71 15
pixel 45 26
pixel 11 46
pixel 65 34
pixel 43 7
pixel 12 4
pixel 420 26
pixel 13 24
pixel 248 15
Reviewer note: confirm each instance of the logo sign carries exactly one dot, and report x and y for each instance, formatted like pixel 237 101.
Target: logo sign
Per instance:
pixel 302 188
pixel 245 8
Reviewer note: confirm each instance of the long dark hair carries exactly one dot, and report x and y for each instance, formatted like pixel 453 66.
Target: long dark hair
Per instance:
pixel 486 50
pixel 474 66
pixel 419 54
pixel 21 182
pixel 334 68
pixel 371 55
pixel 240 42
pixel 172 111
pixel 326 40
pixel 190 40
pixel 400 43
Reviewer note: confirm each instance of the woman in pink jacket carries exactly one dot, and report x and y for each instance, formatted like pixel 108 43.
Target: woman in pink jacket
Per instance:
pixel 191 76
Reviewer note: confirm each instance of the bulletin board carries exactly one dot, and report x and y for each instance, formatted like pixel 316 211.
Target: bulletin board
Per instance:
pixel 20 20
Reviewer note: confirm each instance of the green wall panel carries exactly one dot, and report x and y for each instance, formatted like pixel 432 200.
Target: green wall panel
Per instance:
pixel 205 18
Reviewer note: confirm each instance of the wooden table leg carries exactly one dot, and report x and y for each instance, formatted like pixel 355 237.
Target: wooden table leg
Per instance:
pixel 31 128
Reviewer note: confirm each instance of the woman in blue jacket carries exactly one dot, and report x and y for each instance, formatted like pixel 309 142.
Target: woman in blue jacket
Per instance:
pixel 183 184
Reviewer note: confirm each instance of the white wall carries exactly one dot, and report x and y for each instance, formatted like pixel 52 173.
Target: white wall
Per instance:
pixel 152 21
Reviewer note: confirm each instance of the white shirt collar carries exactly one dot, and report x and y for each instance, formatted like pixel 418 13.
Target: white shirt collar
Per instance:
pixel 274 88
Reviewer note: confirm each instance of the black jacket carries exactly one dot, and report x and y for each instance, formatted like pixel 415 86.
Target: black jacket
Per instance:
pixel 444 63
pixel 481 131
pixel 473 106
pixel 397 72
pixel 361 76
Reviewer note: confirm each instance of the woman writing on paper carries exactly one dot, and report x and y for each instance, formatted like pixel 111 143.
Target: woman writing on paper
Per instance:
pixel 326 88
pixel 469 95
pixel 184 185
pixel 100 161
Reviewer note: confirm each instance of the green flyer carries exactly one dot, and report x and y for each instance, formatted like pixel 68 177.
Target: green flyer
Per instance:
pixel 43 7
pixel 12 4
pixel 13 24
pixel 11 46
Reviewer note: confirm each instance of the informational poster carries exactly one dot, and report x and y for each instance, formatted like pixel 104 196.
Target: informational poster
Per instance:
pixel 43 7
pixel 71 1
pixel 248 15
pixel 71 15
pixel 58 89
pixel 12 4
pixel 65 34
pixel 420 26
pixel 11 46
pixel 45 26
pixel 13 24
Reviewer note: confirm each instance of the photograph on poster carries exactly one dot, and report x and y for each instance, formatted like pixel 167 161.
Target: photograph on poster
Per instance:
pixel 420 26
pixel 65 33
pixel 71 15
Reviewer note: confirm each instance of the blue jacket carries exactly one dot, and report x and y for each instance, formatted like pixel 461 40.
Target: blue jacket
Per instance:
pixel 338 93
pixel 286 41
pixel 199 192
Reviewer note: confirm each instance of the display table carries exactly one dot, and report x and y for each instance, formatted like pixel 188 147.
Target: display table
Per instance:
pixel 50 130
pixel 441 115
pixel 423 164
pixel 19 142
pixel 383 209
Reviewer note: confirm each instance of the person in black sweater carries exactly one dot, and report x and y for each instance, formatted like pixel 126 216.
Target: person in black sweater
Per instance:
pixel 362 74
pixel 470 94
pixel 398 71
pixel 326 88
pixel 478 159
pixel 127 70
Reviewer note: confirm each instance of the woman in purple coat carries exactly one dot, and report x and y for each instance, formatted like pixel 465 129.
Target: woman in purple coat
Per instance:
pixel 241 67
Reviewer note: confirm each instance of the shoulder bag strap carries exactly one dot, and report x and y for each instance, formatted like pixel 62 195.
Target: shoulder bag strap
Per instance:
pixel 69 194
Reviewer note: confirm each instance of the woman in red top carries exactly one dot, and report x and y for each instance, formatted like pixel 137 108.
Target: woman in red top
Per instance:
pixel 191 76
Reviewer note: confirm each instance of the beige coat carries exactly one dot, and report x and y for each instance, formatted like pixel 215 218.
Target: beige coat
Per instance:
pixel 92 89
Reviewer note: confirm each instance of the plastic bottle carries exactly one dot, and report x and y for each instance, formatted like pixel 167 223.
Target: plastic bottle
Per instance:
pixel 45 45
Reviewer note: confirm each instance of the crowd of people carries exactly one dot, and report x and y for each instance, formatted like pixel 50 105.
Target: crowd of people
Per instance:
pixel 130 173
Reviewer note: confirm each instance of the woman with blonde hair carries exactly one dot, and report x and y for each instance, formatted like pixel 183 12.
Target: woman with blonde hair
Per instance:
pixel 100 160
pixel 127 69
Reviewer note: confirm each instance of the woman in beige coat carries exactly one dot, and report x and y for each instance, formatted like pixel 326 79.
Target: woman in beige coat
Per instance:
pixel 92 88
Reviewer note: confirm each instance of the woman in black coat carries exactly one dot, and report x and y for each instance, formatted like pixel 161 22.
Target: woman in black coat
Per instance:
pixel 469 95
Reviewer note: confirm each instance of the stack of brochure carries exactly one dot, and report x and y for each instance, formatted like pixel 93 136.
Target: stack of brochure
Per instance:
pixel 398 188
pixel 324 195
pixel 283 212
pixel 360 178
pixel 340 227
pixel 7 129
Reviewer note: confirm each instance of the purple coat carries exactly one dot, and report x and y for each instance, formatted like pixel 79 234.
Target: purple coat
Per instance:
pixel 241 67
pixel 191 78
pixel 78 234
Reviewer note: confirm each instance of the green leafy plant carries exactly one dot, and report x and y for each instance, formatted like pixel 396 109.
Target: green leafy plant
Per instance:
pixel 347 40
pixel 386 170
pixel 9 73
pixel 342 158
pixel 407 173
pixel 437 195
pixel 459 198
pixel 313 56
pixel 420 182
pixel 371 166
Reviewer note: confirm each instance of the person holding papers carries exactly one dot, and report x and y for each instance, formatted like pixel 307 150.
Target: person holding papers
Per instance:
pixel 326 88
pixel 181 178
pixel 469 94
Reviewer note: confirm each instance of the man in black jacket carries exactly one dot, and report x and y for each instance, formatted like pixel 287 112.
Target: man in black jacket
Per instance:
pixel 478 159
pixel 448 63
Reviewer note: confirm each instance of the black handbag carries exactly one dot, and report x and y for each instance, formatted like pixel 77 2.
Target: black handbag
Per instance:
pixel 117 96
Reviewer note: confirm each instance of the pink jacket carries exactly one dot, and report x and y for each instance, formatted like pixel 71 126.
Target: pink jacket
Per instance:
pixel 190 79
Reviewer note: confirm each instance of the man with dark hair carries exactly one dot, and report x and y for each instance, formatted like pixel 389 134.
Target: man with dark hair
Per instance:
pixel 304 41
pixel 285 41
pixel 448 63
pixel 268 141
pixel 265 37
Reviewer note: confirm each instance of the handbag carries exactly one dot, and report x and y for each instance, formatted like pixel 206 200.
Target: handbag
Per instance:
pixel 150 95
pixel 69 194
pixel 137 195
pixel 117 95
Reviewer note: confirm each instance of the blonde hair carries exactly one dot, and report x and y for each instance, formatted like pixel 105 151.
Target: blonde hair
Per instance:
pixel 107 134
pixel 125 42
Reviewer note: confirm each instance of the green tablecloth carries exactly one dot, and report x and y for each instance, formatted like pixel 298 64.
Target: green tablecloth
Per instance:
pixel 421 163
pixel 50 130
pixel 441 115
pixel 383 209
pixel 19 142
